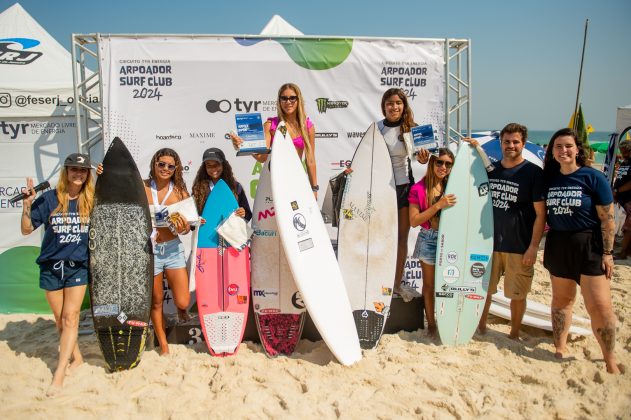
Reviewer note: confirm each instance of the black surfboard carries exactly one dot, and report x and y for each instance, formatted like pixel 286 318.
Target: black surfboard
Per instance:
pixel 121 260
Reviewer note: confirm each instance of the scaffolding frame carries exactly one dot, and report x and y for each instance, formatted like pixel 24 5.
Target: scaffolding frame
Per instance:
pixel 457 74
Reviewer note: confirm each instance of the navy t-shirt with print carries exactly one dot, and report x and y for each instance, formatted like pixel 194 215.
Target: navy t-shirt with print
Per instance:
pixel 65 238
pixel 513 191
pixel 571 200
pixel 622 177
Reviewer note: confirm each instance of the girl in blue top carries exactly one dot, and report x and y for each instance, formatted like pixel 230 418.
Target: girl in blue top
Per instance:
pixel 580 242
pixel 65 215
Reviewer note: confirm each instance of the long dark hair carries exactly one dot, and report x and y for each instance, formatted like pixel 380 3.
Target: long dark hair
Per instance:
pixel 550 166
pixel 407 117
pixel 202 181
pixel 177 178
pixel 431 180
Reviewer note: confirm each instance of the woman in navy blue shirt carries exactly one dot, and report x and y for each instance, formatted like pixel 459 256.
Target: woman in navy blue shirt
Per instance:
pixel 579 245
pixel 63 261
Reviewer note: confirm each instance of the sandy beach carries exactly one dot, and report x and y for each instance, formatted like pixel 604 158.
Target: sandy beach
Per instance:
pixel 408 375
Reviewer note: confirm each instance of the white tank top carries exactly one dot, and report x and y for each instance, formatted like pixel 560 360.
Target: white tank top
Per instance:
pixel 398 153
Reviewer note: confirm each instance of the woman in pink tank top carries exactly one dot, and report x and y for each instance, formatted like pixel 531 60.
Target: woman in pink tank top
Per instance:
pixel 291 111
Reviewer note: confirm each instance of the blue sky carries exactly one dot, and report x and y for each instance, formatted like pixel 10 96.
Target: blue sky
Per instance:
pixel 525 55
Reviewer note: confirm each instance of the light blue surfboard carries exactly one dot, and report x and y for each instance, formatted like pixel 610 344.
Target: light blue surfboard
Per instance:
pixel 464 251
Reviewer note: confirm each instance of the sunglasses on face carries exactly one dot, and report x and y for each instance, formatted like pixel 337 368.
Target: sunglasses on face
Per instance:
pixel 163 165
pixel 439 163
pixel 288 98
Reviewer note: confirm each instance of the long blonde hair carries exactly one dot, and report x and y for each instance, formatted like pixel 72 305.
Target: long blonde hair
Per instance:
pixel 431 180
pixel 85 200
pixel 301 116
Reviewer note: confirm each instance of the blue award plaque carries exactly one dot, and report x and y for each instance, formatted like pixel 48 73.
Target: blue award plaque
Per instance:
pixel 250 129
pixel 423 137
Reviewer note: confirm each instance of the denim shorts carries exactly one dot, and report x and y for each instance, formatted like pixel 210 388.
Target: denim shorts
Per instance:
pixel 61 274
pixel 168 255
pixel 425 248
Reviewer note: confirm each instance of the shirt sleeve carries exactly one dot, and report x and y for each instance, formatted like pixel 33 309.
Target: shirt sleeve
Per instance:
pixel 538 190
pixel 602 191
pixel 414 197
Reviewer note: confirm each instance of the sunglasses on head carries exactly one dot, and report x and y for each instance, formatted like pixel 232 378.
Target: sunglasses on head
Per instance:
pixel 288 98
pixel 166 165
pixel 440 162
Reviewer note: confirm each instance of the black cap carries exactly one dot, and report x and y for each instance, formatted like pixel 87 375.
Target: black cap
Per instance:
pixel 78 160
pixel 214 154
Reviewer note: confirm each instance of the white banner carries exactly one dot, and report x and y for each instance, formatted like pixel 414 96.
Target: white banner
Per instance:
pixel 184 92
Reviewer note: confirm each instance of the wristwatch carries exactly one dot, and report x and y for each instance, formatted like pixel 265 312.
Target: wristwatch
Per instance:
pixel 608 252
pixel 315 188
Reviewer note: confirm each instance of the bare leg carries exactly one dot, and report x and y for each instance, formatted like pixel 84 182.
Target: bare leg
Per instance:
pixel 485 313
pixel 428 296
pixel 517 311
pixel 55 300
pixel 157 316
pixel 563 297
pixel 72 299
pixel 597 296
pixel 178 283
pixel 402 244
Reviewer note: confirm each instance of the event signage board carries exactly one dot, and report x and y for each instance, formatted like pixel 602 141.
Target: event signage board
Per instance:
pixel 184 92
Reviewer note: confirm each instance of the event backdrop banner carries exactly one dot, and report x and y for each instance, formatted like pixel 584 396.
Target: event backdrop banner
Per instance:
pixel 183 93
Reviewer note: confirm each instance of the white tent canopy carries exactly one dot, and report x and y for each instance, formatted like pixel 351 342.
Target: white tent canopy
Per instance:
pixel 35 70
pixel 623 118
pixel 279 26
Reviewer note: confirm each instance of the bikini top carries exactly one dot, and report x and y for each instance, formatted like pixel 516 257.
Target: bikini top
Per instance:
pixel 299 142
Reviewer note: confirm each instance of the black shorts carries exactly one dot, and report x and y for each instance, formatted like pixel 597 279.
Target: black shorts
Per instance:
pixel 402 196
pixel 570 254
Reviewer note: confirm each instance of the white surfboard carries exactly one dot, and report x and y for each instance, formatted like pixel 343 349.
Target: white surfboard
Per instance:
pixel 309 251
pixel 533 321
pixel 537 310
pixel 367 236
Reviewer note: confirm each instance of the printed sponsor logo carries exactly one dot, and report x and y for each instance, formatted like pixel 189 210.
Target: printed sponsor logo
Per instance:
pixel 324 103
pixel 264 292
pixel 386 291
pixel 294 205
pixel 232 289
pixel 237 104
pixel 296 301
pixel 326 135
pixel 451 274
pixel 462 289
pixel 355 134
pixel 365 314
pixel 203 135
pixel 266 213
pixel 13 51
pixel 168 137
pixel 348 214
pixel 300 223
pixel 341 164
pixel 13 130
pixel 473 296
pixel 265 233
pixel 269 200
pixel 106 310
pixel 444 295
pixel 478 269
pixel 186 166
pixel 242 299
pixel 122 317
pixel 5 100
pixel 483 189
pixel 479 257
pixel 270 311
pixel 452 257
pixel 135 323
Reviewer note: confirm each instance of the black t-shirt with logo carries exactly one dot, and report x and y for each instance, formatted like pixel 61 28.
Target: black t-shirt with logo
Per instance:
pixel 513 191
pixel 622 177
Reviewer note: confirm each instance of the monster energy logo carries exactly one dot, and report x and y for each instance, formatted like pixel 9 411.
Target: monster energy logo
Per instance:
pixel 324 104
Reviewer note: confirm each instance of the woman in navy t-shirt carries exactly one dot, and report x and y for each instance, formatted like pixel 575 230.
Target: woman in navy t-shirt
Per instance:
pixel 579 245
pixel 63 261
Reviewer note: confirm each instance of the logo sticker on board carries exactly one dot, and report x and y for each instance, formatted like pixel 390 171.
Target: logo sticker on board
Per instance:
pixel 232 289
pixel 379 306
pixel 478 269
pixel 296 300
pixel 386 291
pixel 451 274
pixel 483 189
pixel 348 214
pixel 122 317
pixel 452 257
pixel 300 223
pixel 473 296
pixel 242 299
pixel 294 205
pixel 135 323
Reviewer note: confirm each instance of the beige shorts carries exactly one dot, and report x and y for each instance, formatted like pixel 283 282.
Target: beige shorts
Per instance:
pixel 517 277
